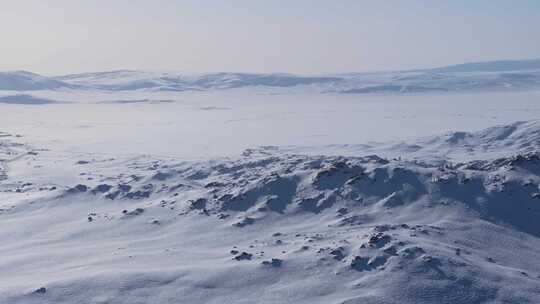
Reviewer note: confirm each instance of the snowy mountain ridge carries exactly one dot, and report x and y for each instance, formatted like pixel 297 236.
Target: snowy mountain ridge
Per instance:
pixel 496 75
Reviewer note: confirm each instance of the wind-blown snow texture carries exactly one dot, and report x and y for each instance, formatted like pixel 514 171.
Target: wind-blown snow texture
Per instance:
pixel 132 187
pixel 483 76
pixel 274 227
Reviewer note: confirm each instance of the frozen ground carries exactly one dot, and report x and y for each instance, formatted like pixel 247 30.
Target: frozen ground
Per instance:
pixel 270 227
pixel 204 125
pixel 262 196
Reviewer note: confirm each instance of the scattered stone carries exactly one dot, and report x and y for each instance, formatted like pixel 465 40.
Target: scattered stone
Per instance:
pixel 243 256
pixel 40 290
pixel 273 263
pixel 138 194
pixel 222 216
pixel 244 222
pixel 137 211
pixel 214 185
pixel 78 188
pixel 124 187
pixel 338 253
pixel 102 188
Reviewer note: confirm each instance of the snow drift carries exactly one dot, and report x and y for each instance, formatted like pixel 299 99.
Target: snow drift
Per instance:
pixel 273 227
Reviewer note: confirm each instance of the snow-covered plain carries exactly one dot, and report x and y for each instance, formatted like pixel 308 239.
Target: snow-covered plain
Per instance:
pixel 205 125
pixel 265 194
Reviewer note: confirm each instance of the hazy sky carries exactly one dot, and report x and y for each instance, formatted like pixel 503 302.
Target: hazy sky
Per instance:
pixel 299 36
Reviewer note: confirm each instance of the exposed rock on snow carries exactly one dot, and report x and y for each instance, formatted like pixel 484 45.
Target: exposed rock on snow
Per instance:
pixel 312 229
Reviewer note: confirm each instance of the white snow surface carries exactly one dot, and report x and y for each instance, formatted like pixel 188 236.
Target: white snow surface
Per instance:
pixel 194 125
pixel 247 196
pixel 471 77
pixel 267 228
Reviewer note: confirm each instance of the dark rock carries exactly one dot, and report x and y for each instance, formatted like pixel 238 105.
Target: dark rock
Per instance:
pixel 138 194
pixel 222 216
pixel 214 185
pixel 102 188
pixel 273 263
pixel 244 222
pixel 379 240
pixel 198 204
pixel 137 211
pixel 243 256
pixel 342 211
pixel 40 290
pixel 338 253
pixel 124 187
pixel 78 188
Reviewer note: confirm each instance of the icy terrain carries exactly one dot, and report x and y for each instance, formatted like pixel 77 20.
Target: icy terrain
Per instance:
pixel 138 187
pixel 271 227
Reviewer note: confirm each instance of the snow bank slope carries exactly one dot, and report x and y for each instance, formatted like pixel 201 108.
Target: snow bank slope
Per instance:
pixel 458 146
pixel 269 228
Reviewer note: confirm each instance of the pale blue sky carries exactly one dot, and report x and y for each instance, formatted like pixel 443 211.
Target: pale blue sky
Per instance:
pixel 298 36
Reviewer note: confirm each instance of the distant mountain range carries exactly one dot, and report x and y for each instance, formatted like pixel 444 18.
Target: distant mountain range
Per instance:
pixel 477 76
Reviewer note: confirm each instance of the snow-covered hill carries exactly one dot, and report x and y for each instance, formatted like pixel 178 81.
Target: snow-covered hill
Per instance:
pixel 484 76
pixel 170 81
pixel 498 141
pixel 273 227
pixel 26 81
pixel 492 66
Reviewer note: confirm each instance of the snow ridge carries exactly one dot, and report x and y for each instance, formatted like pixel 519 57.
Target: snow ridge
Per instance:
pixel 268 226
pixel 497 75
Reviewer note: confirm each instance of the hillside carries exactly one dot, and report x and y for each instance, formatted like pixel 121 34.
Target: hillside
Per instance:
pixel 271 227
pixel 470 77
